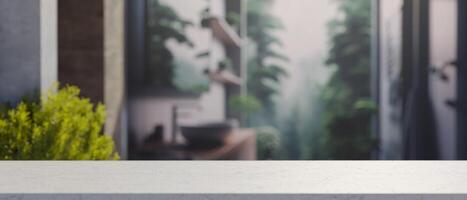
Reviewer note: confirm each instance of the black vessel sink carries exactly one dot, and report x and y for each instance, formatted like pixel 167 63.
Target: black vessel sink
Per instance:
pixel 206 134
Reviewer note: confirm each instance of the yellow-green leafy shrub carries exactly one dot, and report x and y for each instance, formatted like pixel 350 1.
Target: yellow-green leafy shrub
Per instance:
pixel 61 126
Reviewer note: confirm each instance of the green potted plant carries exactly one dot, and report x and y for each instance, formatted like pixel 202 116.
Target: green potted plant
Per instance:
pixel 61 126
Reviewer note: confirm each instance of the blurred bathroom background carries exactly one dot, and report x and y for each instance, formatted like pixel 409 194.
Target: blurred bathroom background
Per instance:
pixel 252 79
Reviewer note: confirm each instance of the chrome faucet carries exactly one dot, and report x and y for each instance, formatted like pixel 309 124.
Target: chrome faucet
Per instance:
pixel 175 115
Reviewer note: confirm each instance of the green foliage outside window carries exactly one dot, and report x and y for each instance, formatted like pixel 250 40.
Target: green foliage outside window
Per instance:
pixel 348 107
pixel 263 75
pixel 61 126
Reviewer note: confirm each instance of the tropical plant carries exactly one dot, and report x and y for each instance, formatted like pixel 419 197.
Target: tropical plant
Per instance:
pixel 264 76
pixel 348 109
pixel 61 126
pixel 163 24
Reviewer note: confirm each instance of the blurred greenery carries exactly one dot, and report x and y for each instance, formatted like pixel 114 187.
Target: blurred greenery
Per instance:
pixel 265 73
pixel 61 126
pixel 264 77
pixel 348 106
pixel 245 104
pixel 267 143
pixel 163 24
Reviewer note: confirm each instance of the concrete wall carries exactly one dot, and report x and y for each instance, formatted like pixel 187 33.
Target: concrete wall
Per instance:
pixel 28 51
pixel 19 49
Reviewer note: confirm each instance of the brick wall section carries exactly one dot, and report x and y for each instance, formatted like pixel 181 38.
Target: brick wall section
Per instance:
pixel 81 40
